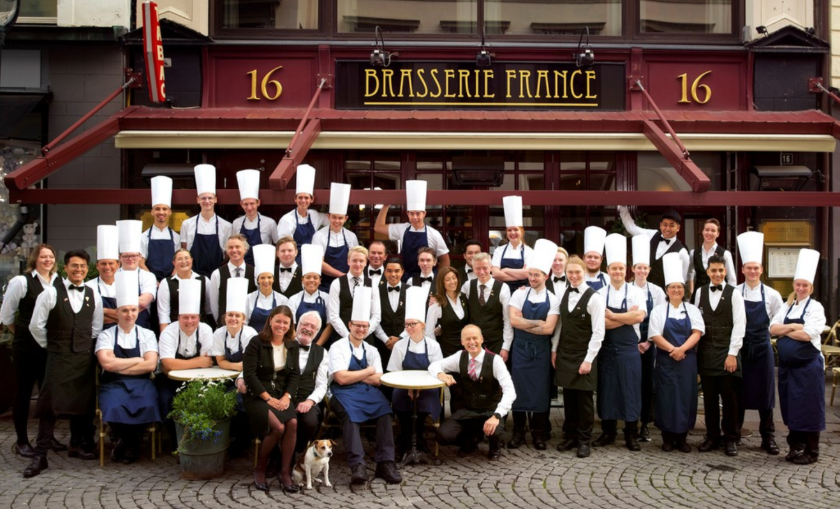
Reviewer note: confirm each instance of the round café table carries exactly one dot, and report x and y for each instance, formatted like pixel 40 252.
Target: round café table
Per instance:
pixel 413 380
pixel 214 373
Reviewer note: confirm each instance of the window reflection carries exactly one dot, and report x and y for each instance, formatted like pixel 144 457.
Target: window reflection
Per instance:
pixel 552 17
pixel 655 173
pixel 408 16
pixel 268 14
pixel 685 16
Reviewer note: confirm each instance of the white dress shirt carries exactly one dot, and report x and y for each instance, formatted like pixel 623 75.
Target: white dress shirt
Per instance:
pixel 264 302
pixel 334 304
pixel 222 338
pixel 426 285
pixel 321 376
pixel 452 364
pixel 15 291
pixel 268 228
pixel 102 288
pixel 205 228
pixel 705 255
pixel 284 277
pixel 215 284
pixel 158 234
pixel 635 297
pixel 504 299
pixel 47 301
pixel 169 342
pixel 662 248
pixel 739 317
pixel 517 301
pixel 773 301
pixel 303 296
pixel 814 318
pixel 435 313
pixel 164 302
pixel 327 238
pixel 596 308
pixel 656 293
pixel 127 340
pixel 375 278
pixel 434 239
pixel 470 273
pixel 512 253
pixel 660 313
pixel 427 345
pixel 289 221
pixel 340 356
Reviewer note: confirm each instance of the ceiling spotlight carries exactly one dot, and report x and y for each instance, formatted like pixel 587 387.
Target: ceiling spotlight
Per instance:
pixel 380 57
pixel 584 56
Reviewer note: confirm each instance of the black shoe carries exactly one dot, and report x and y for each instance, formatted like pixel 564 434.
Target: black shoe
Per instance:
pixel 468 448
pixel 604 440
pixel 768 444
pixel 631 443
pixel 583 451
pixel 683 446
pixel 708 444
pixel 24 450
pixel 57 446
pixel 494 454
pixel 83 453
pixel 793 454
pixel 539 443
pixel 387 470
pixel 288 488
pixel 644 433
pixel 567 445
pixel 118 452
pixel 35 467
pixel 802 459
pixel 517 441
pixel 262 486
pixel 668 445
pixel 739 443
pixel 131 455
pixel 360 475
pixel 731 448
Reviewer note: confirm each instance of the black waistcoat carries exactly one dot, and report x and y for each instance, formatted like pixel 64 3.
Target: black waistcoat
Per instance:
pixel 295 284
pixel 700 276
pixel 26 305
pixel 393 322
pixel 69 332
pixel 174 300
pixel 307 378
pixel 489 318
pixel 577 324
pixel 345 298
pixel 224 275
pixel 713 347
pixel 484 394
pixel 657 271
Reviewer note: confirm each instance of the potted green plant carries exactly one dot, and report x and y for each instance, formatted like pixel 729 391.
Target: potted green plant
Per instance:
pixel 202 410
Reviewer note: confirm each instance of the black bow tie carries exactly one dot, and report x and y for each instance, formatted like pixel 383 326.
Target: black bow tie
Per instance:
pixel 305 348
pixel 469 270
pixel 424 279
pixel 285 269
pixel 574 290
pixel 77 288
pixel 377 272
pixel 393 288
pixel 666 241
pixel 717 288
pixel 561 278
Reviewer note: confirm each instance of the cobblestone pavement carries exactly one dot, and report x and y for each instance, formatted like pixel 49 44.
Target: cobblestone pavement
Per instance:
pixel 525 478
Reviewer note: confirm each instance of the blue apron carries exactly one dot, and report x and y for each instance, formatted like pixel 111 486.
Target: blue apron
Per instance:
pixel 429 401
pixel 336 257
pixel 230 355
pixel 318 306
pixel 801 381
pixel 757 359
pixel 513 263
pixel 411 243
pixel 676 382
pixel 620 371
pixel 160 253
pixel 361 401
pixel 107 303
pixel 530 358
pixel 128 399
pixel 259 315
pixel 144 318
pixel 303 232
pixel 597 285
pixel 254 238
pixel 166 386
pixel 206 252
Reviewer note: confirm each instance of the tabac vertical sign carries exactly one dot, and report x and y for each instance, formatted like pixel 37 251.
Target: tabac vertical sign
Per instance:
pixel 153 51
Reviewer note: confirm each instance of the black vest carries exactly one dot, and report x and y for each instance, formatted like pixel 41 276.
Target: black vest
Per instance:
pixel 577 325
pixel 295 285
pixel 224 275
pixel 345 298
pixel 415 281
pixel 174 300
pixel 69 332
pixel 713 347
pixel 484 394
pixel 26 305
pixel 657 271
pixel 489 318
pixel 700 276
pixel 451 326
pixel 307 378
pixel 393 322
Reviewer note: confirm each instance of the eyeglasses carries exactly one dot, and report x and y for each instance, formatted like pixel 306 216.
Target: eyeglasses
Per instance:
pixel 77 266
pixel 411 324
pixel 360 326
pixel 129 256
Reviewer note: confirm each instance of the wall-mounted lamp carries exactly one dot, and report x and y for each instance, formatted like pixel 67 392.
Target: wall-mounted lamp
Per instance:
pixel 8 14
pixel 761 29
pixel 584 56
pixel 484 58
pixel 380 57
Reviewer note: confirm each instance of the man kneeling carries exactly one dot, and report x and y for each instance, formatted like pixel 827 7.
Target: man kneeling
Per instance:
pixel 487 390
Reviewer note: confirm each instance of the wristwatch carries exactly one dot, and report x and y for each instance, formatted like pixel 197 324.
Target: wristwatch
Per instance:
pixel 497 416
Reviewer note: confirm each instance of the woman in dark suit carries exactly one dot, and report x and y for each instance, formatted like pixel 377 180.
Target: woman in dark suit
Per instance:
pixel 271 373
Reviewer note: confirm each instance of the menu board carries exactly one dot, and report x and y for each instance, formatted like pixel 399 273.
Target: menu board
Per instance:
pixel 782 261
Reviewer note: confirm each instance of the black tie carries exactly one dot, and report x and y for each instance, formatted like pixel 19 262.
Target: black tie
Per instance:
pixel 717 288
pixel 574 290
pixel 393 288
pixel 377 272
pixel 77 288
pixel 561 278
pixel 305 348
pixel 238 272
pixel 285 269
pixel 666 241
pixel 469 270
pixel 425 279
pixel 356 282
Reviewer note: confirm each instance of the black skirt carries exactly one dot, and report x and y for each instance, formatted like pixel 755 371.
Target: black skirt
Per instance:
pixel 257 410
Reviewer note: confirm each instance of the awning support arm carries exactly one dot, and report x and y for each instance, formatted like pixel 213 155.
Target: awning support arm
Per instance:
pixel 305 135
pixel 815 86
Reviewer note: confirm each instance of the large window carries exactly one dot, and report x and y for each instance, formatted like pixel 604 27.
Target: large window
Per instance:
pixel 685 16
pixel 270 15
pixel 552 17
pixel 408 16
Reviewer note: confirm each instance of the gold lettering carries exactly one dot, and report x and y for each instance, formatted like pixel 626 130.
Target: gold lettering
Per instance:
pixel 464 83
pixel 450 74
pixel 434 73
pixel 488 76
pixel 525 83
pixel 253 75
pixel 369 74
pixel 511 75
pixel 572 84
pixel 590 76
pixel 420 73
pixel 557 76
pixel 406 73
pixel 387 82
pixel 477 85
pixel 542 76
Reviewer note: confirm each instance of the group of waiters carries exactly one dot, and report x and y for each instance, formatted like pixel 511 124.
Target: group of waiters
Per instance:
pixel 306 313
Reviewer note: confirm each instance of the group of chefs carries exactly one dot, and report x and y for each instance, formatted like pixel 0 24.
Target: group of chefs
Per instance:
pixel 326 315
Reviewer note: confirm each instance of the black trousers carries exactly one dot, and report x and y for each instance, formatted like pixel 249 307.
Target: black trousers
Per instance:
pixel 766 426
pixel 807 441
pixel 610 427
pixel 130 434
pixel 726 389
pixel 461 431
pixel 81 433
pixel 30 361
pixel 353 439
pixel 579 408
pixel 648 385
pixel 307 426
pixel 539 423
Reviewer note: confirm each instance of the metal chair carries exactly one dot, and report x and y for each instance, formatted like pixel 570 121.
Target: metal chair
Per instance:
pixel 830 348
pixel 835 383
pixel 152 429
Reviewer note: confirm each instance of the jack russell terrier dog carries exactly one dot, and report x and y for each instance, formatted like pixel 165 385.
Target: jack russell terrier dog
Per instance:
pixel 312 462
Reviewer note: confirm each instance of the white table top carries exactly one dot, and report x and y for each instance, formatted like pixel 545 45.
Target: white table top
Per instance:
pixel 202 374
pixel 413 379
